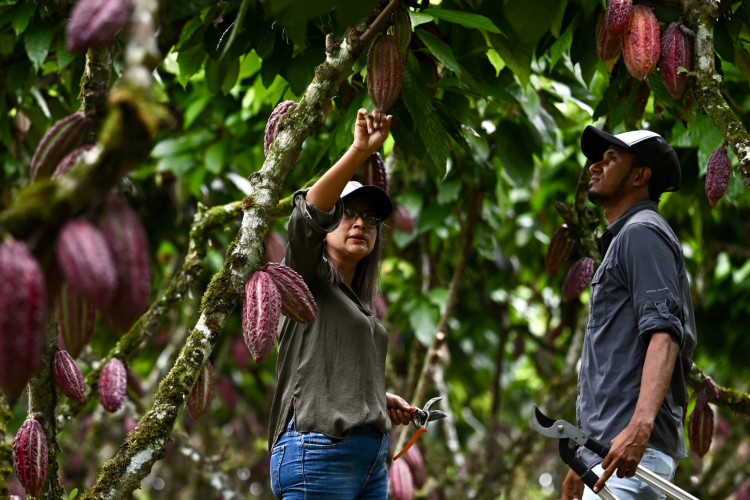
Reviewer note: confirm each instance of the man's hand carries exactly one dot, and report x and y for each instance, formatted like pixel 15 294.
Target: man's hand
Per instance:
pixel 371 131
pixel 398 409
pixel 572 488
pixel 625 453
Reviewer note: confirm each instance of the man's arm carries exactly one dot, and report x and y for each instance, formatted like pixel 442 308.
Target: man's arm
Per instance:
pixel 628 447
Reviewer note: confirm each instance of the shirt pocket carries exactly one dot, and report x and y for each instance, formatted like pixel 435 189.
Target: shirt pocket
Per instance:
pixel 598 302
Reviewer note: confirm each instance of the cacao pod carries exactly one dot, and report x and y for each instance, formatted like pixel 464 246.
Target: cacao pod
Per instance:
pixel 23 308
pixel 402 219
pixel 86 262
pixel 384 72
pixel 560 247
pixel 401 480
pixel 413 457
pixel 202 394
pixel 126 238
pixel 717 175
pixel 30 456
pixel 275 248
pixel 64 165
pixel 402 29
pixel 297 303
pixel 676 52
pixel 113 382
pixel 578 278
pixel 617 15
pixel 641 43
pixel 261 311
pixel 68 375
pixel 272 126
pixel 64 136
pixel 701 425
pixel 608 45
pixel 95 23
pixel 75 320
pixel 711 387
pixel 373 172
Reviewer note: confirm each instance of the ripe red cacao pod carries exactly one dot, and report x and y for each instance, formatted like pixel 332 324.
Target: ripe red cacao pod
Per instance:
pixel 200 397
pixel 373 172
pixel 413 457
pixel 402 219
pixel 402 29
pixel 608 45
pixel 23 308
pixel 30 456
pixel 717 175
pixel 65 164
pixel 86 262
pixel 384 71
pixel 75 319
pixel 261 311
pixel 68 375
pixel 275 248
pixel 272 126
pixel 66 135
pixel 401 480
pixel 297 303
pixel 113 382
pixel 95 23
pixel 578 278
pixel 560 247
pixel 641 42
pixel 676 52
pixel 615 21
pixel 701 425
pixel 128 244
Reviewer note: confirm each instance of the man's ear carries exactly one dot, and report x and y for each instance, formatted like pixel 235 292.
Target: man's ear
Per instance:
pixel 642 176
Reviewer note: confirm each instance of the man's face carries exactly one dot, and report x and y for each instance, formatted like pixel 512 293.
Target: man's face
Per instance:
pixel 610 175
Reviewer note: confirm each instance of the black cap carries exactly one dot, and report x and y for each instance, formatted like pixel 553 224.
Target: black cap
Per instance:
pixel 378 199
pixel 650 148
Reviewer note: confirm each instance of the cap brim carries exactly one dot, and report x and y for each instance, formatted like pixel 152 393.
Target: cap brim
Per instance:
pixel 378 199
pixel 594 143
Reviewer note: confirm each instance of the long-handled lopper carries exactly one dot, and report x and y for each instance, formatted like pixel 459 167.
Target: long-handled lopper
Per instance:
pixel 567 432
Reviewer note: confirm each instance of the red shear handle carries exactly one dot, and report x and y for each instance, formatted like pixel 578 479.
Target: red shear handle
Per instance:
pixel 413 440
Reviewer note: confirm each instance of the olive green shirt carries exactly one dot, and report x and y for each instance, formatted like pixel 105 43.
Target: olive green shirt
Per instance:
pixel 333 369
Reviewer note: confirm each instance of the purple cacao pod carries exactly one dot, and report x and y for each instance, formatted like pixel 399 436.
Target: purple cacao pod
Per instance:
pixel 75 319
pixel 113 382
pixel 578 278
pixel 95 23
pixel 384 71
pixel 68 375
pixel 297 303
pixel 200 397
pixel 261 311
pixel 30 456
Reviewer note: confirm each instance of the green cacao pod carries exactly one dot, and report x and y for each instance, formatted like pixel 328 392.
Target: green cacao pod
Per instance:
pixel 641 44
pixel 30 456
pixel 297 303
pixel 401 480
pixel 384 72
pixel 68 375
pixel 200 397
pixel 64 136
pixel 95 23
pixel 578 278
pixel 22 314
pixel 75 320
pixel 113 382
pixel 717 175
pixel 126 239
pixel 701 425
pixel 676 52
pixel 261 311
pixel 560 247
pixel 86 262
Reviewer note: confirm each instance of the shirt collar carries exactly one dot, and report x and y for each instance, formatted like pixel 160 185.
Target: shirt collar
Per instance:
pixel 617 225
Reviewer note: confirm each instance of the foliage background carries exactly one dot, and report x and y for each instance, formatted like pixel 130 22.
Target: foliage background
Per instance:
pixel 484 144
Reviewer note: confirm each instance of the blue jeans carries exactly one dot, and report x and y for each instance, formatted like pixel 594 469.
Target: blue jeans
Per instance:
pixel 632 488
pixel 311 465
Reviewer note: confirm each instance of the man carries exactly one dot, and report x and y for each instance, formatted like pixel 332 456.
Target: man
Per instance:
pixel 640 335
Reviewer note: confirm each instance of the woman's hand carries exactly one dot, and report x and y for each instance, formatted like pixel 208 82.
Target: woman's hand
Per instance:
pixel 371 131
pixel 399 410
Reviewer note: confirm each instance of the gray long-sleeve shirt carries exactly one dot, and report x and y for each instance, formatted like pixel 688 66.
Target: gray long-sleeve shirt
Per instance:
pixel 640 288
pixel 334 368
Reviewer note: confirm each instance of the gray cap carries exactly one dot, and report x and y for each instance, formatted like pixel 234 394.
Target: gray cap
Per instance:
pixel 376 197
pixel 650 148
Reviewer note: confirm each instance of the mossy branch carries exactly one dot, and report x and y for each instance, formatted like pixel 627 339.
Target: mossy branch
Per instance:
pixel 729 399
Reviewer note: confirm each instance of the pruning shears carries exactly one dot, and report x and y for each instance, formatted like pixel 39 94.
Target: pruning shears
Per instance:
pixel 567 432
pixel 420 417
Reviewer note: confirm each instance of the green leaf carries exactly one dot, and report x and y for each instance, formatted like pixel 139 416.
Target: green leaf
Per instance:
pixel 194 109
pixel 19 16
pixel 465 19
pixel 215 157
pixel 37 41
pixel 216 71
pixel 516 56
pixel 230 78
pixel 440 49
pixel 532 19
pixel 514 153
pixel 423 320
pixel 190 62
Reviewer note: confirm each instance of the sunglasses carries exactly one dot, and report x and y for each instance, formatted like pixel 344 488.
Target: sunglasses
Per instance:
pixel 372 219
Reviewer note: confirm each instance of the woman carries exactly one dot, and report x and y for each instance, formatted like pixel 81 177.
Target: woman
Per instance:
pixel 331 414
